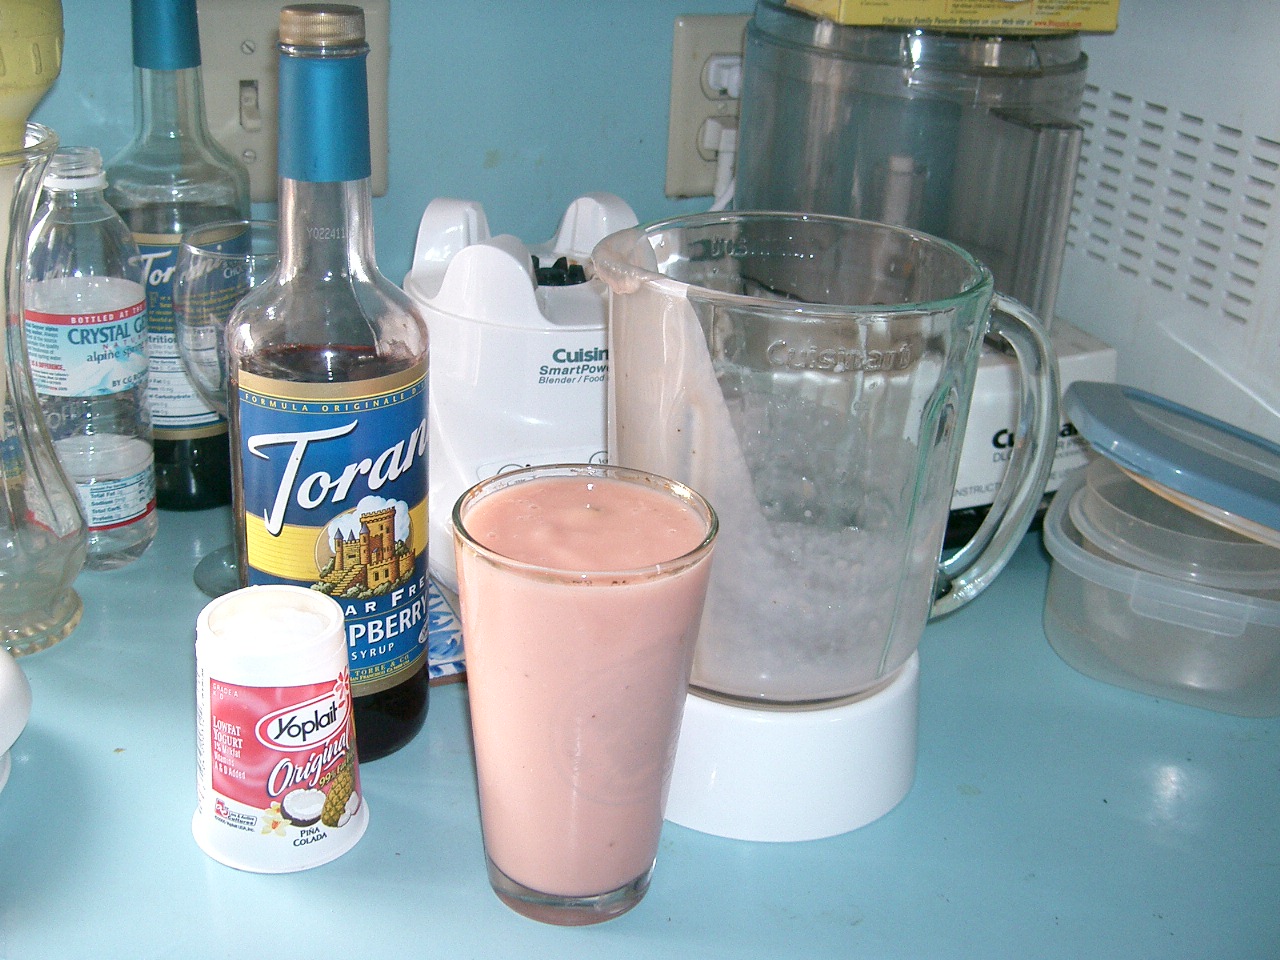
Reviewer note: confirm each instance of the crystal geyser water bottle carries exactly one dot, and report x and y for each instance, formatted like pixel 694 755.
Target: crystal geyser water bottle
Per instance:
pixel 173 176
pixel 86 329
pixel 328 390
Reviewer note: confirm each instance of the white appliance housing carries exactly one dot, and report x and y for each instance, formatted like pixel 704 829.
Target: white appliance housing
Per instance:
pixel 517 368
pixel 1173 252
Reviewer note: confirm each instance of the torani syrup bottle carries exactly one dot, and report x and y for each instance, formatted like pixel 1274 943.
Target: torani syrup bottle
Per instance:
pixel 328 370
pixel 171 177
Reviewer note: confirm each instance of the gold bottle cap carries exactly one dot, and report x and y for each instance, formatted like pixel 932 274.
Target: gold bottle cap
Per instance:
pixel 321 25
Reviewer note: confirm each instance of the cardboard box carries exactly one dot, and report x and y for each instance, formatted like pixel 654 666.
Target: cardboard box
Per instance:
pixel 987 16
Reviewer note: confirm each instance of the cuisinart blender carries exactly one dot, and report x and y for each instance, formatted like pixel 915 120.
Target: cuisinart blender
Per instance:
pixel 971 137
pixel 810 376
pixel 518 356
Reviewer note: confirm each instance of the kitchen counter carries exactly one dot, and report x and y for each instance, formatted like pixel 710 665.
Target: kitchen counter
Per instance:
pixel 1051 816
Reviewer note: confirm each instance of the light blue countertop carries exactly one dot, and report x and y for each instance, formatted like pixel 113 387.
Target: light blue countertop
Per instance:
pixel 1052 816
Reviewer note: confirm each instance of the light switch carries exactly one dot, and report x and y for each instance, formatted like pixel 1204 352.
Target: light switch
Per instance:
pixel 250 109
pixel 240 70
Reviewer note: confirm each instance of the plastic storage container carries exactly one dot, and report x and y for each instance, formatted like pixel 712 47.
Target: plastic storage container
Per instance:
pixel 1161 630
pixel 1129 522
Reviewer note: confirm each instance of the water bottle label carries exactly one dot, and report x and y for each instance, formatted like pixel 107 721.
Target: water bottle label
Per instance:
pixel 178 412
pixel 334 492
pixel 87 354
pixel 110 504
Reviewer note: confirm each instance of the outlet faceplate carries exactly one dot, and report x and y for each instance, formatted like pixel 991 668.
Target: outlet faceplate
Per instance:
pixel 699 46
pixel 241 88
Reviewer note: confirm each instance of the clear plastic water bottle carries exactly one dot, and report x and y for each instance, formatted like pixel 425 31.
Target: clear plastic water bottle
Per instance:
pixel 86 328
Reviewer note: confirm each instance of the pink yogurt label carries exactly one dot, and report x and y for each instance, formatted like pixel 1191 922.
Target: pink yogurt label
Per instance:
pixel 282 757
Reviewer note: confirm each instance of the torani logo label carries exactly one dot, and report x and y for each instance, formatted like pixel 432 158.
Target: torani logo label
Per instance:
pixel 335 501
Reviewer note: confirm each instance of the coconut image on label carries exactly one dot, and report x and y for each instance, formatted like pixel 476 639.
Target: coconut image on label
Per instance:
pixel 367 551
pixel 302 807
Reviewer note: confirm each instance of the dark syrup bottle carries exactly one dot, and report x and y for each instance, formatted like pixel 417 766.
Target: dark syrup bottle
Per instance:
pixel 328 390
pixel 171 177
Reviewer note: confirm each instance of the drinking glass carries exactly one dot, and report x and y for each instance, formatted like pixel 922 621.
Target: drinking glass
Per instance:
pixel 581 588
pixel 218 263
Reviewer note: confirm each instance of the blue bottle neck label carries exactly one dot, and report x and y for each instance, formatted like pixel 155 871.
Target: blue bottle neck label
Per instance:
pixel 166 35
pixel 324 119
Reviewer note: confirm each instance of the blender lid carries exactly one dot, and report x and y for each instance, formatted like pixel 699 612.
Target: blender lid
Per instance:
pixel 1223 473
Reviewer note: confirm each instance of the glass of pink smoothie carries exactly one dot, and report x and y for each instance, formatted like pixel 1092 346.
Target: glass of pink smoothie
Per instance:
pixel 581 589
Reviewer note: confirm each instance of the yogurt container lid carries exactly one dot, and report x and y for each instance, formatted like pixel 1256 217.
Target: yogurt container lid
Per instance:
pixel 1207 466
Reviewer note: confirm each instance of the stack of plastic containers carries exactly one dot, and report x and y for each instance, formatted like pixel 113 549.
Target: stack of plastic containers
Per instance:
pixel 1166 555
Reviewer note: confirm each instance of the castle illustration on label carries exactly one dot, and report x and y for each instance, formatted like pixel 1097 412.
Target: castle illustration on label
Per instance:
pixel 372 560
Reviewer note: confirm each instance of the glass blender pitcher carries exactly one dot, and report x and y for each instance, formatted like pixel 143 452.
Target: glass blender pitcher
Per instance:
pixel 811 375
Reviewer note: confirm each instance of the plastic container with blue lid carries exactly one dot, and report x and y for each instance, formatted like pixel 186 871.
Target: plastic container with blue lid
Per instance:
pixel 1206 466
pixel 1166 554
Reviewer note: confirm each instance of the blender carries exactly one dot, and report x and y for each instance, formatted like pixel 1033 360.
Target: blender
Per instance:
pixel 811 375
pixel 970 136
pixel 518 359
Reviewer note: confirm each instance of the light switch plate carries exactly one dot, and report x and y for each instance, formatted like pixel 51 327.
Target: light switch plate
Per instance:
pixel 696 40
pixel 241 88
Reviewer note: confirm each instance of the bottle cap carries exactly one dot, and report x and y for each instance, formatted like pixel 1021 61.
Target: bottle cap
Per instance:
pixel 321 25
pixel 166 34
pixel 75 168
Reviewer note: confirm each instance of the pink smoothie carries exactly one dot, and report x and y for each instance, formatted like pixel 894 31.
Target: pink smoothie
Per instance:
pixel 577 685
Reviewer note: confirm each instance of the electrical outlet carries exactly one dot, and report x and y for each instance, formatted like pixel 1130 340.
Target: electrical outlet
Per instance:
pixel 241 88
pixel 703 49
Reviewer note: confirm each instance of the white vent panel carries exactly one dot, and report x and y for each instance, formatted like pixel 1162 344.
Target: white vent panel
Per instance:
pixel 1176 201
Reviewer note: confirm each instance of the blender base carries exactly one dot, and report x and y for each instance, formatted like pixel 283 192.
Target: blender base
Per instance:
pixel 776 775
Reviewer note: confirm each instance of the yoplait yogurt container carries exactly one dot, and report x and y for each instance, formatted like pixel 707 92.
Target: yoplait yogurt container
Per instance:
pixel 278 782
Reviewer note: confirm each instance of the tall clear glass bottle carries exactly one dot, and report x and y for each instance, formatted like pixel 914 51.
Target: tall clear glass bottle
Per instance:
pixel 328 390
pixel 171 177
pixel 42 531
pixel 86 327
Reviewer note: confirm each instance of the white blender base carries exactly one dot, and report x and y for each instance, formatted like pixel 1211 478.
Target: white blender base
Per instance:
pixel 776 775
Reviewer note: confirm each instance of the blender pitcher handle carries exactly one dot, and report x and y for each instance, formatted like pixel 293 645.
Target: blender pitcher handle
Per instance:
pixel 966 573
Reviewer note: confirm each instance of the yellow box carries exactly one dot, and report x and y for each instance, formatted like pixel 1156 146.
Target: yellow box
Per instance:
pixel 1007 16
